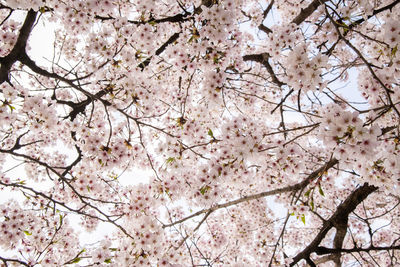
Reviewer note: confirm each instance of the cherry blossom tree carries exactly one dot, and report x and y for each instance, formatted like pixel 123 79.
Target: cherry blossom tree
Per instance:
pixel 248 133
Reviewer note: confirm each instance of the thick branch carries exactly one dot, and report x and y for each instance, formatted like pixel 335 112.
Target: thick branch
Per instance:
pixel 177 18
pixel 161 49
pixel 262 27
pixel 337 219
pixel 263 59
pixel 19 47
pixel 341 230
pixel 325 250
pixel 5 260
pixel 305 13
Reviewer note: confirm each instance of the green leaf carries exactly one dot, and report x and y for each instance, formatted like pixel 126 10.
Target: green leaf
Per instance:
pixel 61 219
pixel 42 9
pixel 204 189
pixel 108 260
pixel 312 205
pixel 170 160
pixel 152 22
pixel 11 107
pixel 394 50
pixel 307 194
pixel 215 59
pixel 27 233
pixel 76 260
pixel 191 39
pixel 320 191
pixel 210 133
pixel 181 121
pixel 303 218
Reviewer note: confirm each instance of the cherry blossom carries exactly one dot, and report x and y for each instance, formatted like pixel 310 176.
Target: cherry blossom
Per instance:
pixel 200 133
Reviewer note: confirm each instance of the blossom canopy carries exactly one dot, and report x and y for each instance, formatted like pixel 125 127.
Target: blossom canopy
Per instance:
pixel 199 133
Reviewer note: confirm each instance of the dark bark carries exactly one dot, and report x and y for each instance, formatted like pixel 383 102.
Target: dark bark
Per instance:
pixel 324 250
pixel 19 48
pixel 263 59
pixel 337 220
pixel 306 12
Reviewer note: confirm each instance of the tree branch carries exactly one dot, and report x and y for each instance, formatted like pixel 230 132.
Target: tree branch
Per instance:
pixel 324 250
pixel 306 12
pixel 342 213
pixel 19 48
pixel 290 188
pixel 5 260
pixel 263 59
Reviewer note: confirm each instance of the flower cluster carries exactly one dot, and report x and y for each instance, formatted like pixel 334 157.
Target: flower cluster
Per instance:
pixel 283 36
pixel 32 232
pixel 8 103
pixel 220 22
pixel 304 73
pixel 345 132
pixel 8 36
pixel 372 90
pixel 391 32
pixel 212 86
pixel 14 223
